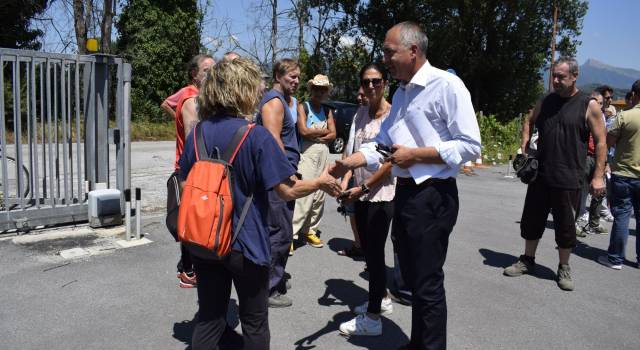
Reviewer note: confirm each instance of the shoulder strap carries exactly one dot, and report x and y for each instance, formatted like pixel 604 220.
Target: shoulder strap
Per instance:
pixel 198 143
pixel 229 155
pixel 305 106
pixel 243 215
pixel 237 141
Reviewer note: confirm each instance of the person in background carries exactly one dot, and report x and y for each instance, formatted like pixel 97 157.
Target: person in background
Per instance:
pixel 274 113
pixel 317 129
pixel 625 136
pixel 361 99
pixel 373 196
pixel 628 100
pixel 185 116
pixel 355 250
pixel 593 210
pixel 564 119
pixel 607 95
pixel 170 103
pixel 230 56
pixel 230 93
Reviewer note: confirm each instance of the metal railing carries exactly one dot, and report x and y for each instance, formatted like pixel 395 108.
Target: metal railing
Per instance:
pixel 55 134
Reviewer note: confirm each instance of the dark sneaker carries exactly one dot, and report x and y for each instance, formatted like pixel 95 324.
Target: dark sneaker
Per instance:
pixel 187 280
pixel 604 260
pixel 524 265
pixel 397 297
pixel 278 300
pixel 564 277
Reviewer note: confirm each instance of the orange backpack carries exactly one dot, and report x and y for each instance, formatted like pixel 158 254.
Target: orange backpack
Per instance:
pixel 206 205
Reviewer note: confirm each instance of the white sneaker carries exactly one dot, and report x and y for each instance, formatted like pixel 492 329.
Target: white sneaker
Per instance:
pixel 584 218
pixel 362 325
pixel 386 307
pixel 604 260
pixel 607 217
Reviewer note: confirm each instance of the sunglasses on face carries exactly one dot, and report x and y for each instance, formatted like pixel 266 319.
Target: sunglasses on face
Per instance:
pixel 608 97
pixel 375 81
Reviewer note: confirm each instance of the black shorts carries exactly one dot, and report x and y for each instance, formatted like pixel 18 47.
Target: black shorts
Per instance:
pixel 561 203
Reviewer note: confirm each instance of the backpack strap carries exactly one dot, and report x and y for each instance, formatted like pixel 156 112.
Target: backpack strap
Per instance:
pixel 237 141
pixel 229 155
pixel 198 143
pixel 243 215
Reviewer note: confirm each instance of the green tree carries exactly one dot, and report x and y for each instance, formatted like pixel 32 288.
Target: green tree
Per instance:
pixel 158 37
pixel 497 47
pixel 344 69
pixel 16 31
pixel 331 21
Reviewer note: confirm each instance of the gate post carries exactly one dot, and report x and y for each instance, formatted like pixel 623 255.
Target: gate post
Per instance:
pixel 102 83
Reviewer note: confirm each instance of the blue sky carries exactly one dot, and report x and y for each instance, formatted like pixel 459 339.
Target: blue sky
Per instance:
pixel 607 33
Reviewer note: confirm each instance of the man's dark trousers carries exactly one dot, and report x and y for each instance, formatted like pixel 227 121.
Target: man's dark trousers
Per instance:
pixel 279 220
pixel 423 219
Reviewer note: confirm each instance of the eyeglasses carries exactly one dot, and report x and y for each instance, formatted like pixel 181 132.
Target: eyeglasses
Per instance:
pixel 608 97
pixel 375 81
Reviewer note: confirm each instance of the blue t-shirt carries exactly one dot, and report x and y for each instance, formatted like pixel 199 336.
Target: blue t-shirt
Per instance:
pixel 259 165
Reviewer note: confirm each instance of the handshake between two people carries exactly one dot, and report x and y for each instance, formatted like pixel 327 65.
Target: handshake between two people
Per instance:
pixel 398 155
pixel 401 156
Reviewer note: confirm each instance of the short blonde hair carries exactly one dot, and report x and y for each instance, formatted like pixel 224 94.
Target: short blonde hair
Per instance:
pixel 284 66
pixel 231 87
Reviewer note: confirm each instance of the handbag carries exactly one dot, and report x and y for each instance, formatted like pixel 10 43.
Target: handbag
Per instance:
pixel 173 204
pixel 526 168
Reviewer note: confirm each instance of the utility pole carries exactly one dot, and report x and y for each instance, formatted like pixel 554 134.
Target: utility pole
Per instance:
pixel 553 43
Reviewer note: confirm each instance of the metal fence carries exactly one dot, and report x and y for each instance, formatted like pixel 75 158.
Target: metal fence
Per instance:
pixel 55 134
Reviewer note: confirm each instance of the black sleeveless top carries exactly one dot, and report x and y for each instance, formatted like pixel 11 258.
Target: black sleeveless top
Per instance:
pixel 563 137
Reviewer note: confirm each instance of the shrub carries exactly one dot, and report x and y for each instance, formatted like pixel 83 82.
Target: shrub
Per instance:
pixel 499 139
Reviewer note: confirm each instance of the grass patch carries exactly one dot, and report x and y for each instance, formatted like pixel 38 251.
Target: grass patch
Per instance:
pixel 140 131
pixel 150 131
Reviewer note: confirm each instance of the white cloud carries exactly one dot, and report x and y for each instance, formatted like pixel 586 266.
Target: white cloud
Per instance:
pixel 346 41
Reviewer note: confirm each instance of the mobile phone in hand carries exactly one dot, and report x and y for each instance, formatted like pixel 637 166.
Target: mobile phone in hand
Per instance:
pixel 343 195
pixel 384 150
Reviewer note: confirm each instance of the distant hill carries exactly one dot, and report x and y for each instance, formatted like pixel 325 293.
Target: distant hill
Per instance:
pixel 598 73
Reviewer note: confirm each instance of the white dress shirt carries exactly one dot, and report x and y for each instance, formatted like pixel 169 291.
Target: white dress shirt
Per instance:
pixel 435 109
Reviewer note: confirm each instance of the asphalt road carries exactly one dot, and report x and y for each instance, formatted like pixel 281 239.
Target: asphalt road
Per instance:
pixel 129 298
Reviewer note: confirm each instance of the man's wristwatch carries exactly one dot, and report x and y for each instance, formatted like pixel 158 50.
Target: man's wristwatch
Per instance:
pixel 365 189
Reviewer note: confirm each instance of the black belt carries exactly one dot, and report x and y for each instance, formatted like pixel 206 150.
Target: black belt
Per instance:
pixel 409 181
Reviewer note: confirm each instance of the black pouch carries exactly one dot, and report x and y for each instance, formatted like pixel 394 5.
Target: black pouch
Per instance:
pixel 173 204
pixel 526 168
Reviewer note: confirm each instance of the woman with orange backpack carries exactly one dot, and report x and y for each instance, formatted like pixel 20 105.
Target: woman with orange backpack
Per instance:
pixel 229 94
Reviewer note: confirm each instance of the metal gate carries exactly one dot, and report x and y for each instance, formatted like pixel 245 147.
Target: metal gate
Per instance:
pixel 59 116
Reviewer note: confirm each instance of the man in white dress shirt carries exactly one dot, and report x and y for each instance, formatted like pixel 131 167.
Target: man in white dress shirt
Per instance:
pixel 432 129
